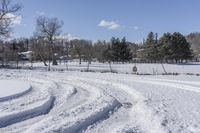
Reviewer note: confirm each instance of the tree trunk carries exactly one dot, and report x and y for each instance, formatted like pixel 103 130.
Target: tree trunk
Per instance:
pixel 49 67
pixel 54 62
pixel 41 57
pixel 80 59
pixel 66 64
pixel 17 63
pixel 164 68
pixel 88 66
pixel 110 66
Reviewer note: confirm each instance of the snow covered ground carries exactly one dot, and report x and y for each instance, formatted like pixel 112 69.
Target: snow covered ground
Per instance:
pixel 143 68
pixel 10 89
pixel 76 102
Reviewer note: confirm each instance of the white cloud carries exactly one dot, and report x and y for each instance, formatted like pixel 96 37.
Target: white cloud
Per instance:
pixel 67 36
pixel 136 28
pixel 40 13
pixel 112 25
pixel 16 20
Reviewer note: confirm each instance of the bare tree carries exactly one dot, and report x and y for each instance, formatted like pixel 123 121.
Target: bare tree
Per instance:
pixel 194 40
pixel 38 46
pixel 49 29
pixel 88 53
pixel 7 16
pixel 76 49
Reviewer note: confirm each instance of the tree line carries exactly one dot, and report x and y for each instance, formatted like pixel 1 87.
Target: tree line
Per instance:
pixel 172 47
pixel 46 46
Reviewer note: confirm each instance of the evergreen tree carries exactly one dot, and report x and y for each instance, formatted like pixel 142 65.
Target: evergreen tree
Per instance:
pixel 120 50
pixel 107 55
pixel 151 48
pixel 181 48
pixel 175 47
pixel 115 46
pixel 194 40
pixel 165 43
pixel 125 52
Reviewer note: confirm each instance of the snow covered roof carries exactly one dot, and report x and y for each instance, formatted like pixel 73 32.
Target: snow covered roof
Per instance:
pixel 26 53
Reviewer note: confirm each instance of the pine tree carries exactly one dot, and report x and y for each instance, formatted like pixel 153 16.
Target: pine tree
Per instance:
pixel 165 43
pixel 115 48
pixel 107 55
pixel 175 47
pixel 120 50
pixel 125 53
pixel 181 48
pixel 151 48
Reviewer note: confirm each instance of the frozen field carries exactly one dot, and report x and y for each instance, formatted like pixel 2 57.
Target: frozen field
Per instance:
pixel 75 102
pixel 143 68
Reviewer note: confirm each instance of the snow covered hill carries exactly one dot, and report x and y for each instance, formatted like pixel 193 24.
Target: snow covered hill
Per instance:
pixel 76 102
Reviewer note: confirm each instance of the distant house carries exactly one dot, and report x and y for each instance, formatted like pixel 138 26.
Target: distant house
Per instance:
pixel 140 55
pixel 25 56
pixel 198 58
pixel 65 57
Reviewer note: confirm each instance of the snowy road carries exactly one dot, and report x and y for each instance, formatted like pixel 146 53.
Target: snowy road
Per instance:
pixel 75 102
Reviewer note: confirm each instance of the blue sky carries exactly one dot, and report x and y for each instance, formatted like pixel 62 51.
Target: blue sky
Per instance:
pixel 102 19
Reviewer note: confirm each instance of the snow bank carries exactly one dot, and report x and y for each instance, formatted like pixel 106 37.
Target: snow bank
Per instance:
pixel 10 89
pixel 43 108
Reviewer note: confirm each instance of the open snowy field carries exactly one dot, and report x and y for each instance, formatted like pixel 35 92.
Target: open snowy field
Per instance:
pixel 75 102
pixel 143 68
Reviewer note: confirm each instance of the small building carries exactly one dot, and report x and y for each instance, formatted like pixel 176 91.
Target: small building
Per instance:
pixel 198 58
pixel 140 55
pixel 25 56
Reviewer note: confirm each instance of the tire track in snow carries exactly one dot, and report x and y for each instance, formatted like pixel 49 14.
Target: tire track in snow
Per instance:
pixel 33 104
pixel 63 102
pixel 187 86
pixel 79 110
pixel 180 85
pixel 56 92
pixel 137 98
pixel 79 117
pixel 27 114
pixel 141 116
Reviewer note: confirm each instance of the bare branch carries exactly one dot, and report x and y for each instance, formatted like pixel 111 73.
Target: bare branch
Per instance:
pixel 6 10
pixel 49 28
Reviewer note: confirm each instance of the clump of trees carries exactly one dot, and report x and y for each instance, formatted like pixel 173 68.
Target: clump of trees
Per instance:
pixel 100 50
pixel 170 47
pixel 82 49
pixel 47 47
pixel 151 48
pixel 118 51
pixel 194 40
